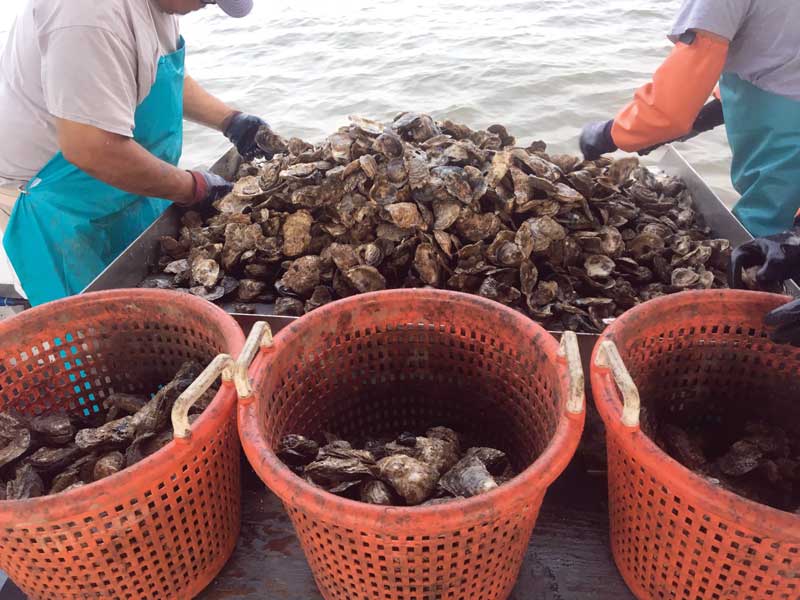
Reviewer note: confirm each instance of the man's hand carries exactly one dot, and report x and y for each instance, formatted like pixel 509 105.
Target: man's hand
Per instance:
pixel 122 163
pixel 785 323
pixel 241 130
pixel 777 255
pixel 596 140
pixel 209 187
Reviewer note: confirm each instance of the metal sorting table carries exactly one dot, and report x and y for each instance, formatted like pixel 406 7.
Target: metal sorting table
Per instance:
pixel 569 556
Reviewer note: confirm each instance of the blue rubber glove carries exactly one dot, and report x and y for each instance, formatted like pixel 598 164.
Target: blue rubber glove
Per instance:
pixel 209 187
pixel 596 140
pixel 241 130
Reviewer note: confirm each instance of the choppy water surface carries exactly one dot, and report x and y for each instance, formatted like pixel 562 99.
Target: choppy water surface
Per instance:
pixel 541 68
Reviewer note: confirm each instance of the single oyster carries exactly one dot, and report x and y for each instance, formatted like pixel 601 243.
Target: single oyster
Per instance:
pixel 289 307
pixel 108 465
pixel 336 464
pixel 303 276
pixel 598 266
pixel 364 279
pixel 296 450
pixel 468 478
pixel 116 432
pixel 297 233
pixel 26 484
pixel 405 215
pixel 378 492
pixel 205 272
pixel 413 480
pixel 427 264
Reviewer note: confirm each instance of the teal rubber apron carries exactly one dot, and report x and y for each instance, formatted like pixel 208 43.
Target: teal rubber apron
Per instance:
pixel 764 134
pixel 67 226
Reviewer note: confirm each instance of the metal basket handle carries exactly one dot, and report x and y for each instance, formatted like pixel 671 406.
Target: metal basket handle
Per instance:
pixel 223 365
pixel 571 353
pixel 608 357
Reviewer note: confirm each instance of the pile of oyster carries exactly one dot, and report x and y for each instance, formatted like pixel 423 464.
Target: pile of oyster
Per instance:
pixel 406 470
pixel 420 203
pixel 762 464
pixel 49 454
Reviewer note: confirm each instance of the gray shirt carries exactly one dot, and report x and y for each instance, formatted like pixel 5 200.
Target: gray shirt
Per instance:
pixel 89 61
pixel 764 36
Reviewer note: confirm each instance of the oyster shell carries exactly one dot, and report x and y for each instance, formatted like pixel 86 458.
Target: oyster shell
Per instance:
pixel 469 477
pixel 413 480
pixel 297 233
pixel 55 429
pixel 296 450
pixel 377 492
pixel 303 276
pixel 26 484
pixel 405 198
pixel 108 465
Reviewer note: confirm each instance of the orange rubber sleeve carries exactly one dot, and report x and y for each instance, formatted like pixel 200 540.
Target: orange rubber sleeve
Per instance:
pixel 666 108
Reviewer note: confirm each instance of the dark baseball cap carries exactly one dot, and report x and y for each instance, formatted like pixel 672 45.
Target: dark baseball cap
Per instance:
pixel 236 8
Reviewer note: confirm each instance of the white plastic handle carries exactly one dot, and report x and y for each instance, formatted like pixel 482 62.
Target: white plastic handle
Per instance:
pixel 222 365
pixel 260 337
pixel 571 352
pixel 608 357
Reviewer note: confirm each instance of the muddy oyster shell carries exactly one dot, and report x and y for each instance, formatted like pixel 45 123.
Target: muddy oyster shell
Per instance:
pixel 303 276
pixel 378 492
pixel 297 233
pixel 296 450
pixel 412 479
pixel 469 477
pixel 26 484
pixel 405 197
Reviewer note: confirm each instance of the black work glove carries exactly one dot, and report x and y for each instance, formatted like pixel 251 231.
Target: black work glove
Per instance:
pixel 710 116
pixel 778 255
pixel 596 140
pixel 241 130
pixel 785 321
pixel 209 187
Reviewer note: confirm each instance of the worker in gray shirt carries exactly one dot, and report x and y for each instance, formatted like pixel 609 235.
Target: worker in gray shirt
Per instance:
pixel 92 101
pixel 752 48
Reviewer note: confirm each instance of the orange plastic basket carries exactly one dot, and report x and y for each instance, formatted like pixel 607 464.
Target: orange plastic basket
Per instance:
pixel 673 534
pixel 162 528
pixel 404 360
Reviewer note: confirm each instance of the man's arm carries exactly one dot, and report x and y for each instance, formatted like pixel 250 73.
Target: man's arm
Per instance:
pixel 667 107
pixel 204 108
pixel 122 163
pixel 670 106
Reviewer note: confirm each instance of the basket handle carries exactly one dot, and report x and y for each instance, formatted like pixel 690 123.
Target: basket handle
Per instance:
pixel 608 357
pixel 223 365
pixel 571 353
pixel 260 338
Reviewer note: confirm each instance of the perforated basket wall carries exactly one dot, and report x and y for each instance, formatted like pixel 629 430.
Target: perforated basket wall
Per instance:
pixel 393 361
pixel 162 528
pixel 699 356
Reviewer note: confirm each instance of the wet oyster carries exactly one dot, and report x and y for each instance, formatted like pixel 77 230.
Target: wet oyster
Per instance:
pixel 381 205
pixel 406 470
pixel 412 479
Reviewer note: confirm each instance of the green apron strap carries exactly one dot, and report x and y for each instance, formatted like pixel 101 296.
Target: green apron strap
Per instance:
pixel 68 226
pixel 764 134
